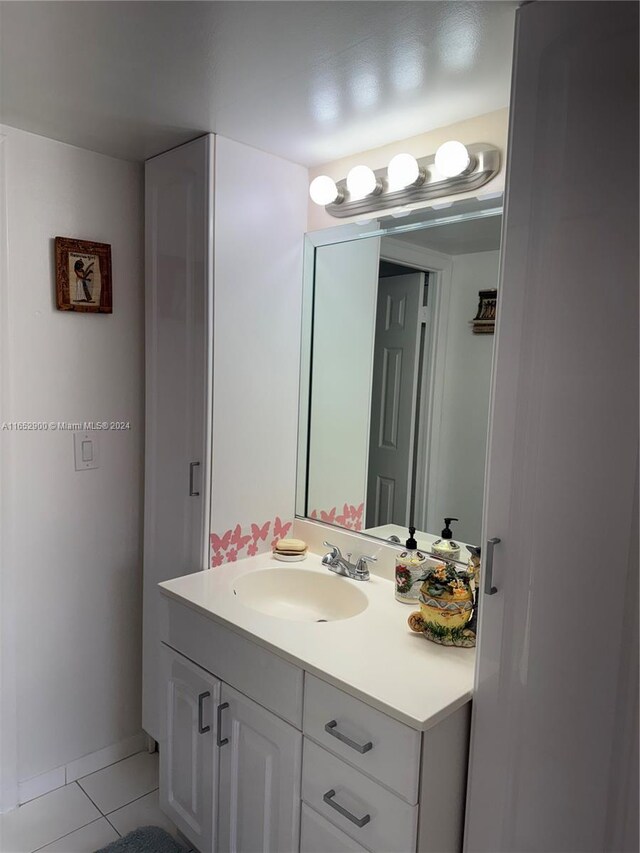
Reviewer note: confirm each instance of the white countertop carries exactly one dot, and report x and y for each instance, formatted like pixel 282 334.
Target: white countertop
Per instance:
pixel 374 656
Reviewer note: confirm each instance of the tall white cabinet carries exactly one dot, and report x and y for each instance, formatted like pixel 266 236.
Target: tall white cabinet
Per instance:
pixel 179 310
pixel 554 748
pixel 223 294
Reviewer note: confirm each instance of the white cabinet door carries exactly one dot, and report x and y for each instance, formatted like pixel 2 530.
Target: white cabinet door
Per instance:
pixel 259 787
pixel 553 762
pixel 178 211
pixel 188 754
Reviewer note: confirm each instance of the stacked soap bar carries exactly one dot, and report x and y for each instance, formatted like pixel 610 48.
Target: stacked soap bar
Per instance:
pixel 290 549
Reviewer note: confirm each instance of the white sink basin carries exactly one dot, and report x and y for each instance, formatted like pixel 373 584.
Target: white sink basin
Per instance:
pixel 300 595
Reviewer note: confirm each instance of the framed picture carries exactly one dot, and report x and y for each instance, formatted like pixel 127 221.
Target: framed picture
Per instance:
pixel 484 323
pixel 83 276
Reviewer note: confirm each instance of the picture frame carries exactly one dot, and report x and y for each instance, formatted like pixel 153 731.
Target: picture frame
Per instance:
pixel 83 276
pixel 484 323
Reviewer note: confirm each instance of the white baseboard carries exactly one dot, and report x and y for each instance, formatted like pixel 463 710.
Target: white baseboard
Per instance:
pixel 59 776
pixel 41 784
pixel 104 757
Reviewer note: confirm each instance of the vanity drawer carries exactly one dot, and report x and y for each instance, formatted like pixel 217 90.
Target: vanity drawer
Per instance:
pixel 394 755
pixel 370 814
pixel 317 835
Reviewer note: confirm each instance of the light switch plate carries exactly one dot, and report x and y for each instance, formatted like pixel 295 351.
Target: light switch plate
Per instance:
pixel 86 451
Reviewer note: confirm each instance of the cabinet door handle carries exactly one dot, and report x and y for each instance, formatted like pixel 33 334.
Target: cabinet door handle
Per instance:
pixel 489 588
pixel 192 494
pixel 359 821
pixel 331 729
pixel 221 741
pixel 202 729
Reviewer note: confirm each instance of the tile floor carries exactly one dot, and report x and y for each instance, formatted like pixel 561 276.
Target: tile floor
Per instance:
pixel 86 815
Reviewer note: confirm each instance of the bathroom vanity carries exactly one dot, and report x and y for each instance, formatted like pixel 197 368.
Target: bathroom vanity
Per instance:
pixel 283 732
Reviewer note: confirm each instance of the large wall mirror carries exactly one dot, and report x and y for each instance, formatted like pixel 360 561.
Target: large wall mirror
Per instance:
pixel 396 372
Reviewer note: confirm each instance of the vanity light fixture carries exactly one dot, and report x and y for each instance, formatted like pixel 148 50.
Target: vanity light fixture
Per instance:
pixel 454 168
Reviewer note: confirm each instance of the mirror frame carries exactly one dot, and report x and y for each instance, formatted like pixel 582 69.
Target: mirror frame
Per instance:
pixel 462 210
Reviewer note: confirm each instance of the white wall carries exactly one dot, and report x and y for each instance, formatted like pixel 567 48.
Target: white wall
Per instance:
pixel 465 402
pixel 260 221
pixel 72 540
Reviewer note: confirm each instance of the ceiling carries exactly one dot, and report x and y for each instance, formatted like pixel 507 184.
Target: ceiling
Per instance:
pixel 309 81
pixel 458 238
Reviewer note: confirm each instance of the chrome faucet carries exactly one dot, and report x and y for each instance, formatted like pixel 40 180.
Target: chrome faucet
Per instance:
pixel 335 562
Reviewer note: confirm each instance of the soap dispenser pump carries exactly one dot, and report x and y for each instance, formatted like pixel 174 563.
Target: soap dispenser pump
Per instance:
pixel 409 571
pixel 446 546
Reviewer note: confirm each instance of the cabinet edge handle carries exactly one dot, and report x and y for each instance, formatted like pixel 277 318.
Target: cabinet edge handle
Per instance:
pixel 489 588
pixel 331 729
pixel 221 741
pixel 359 821
pixel 192 494
pixel 202 729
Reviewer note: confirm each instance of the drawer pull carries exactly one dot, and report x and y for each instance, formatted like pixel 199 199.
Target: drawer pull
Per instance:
pixel 359 821
pixel 220 741
pixel 331 729
pixel 202 729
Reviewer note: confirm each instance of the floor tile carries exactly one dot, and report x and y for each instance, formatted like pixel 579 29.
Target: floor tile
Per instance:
pixel 121 783
pixel 142 812
pixel 86 840
pixel 49 817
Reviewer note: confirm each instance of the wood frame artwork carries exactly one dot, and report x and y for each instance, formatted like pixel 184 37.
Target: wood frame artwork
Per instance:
pixel 484 323
pixel 83 276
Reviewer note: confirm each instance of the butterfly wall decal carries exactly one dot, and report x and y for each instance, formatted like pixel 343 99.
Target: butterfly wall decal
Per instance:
pixel 260 533
pixel 238 540
pixel 221 543
pixel 227 548
pixel 280 529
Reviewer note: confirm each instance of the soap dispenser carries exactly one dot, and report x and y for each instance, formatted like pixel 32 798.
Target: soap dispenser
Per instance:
pixel 446 547
pixel 409 571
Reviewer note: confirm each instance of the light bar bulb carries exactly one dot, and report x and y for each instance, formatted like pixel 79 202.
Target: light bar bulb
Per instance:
pixel 402 171
pixel 323 190
pixel 452 158
pixel 361 181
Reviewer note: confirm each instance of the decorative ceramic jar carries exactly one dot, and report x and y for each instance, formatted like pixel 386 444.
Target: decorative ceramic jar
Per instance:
pixel 446 606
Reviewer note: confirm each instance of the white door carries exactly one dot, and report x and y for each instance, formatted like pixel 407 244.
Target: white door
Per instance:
pixel 188 753
pixel 554 750
pixel 394 399
pixel 259 789
pixel 178 211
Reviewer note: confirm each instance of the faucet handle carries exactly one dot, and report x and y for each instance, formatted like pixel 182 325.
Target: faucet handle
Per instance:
pixel 361 564
pixel 334 548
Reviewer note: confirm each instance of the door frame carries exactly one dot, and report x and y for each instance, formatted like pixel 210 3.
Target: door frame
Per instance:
pixel 440 269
